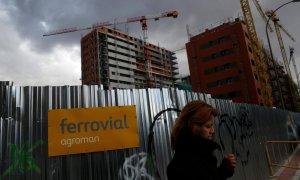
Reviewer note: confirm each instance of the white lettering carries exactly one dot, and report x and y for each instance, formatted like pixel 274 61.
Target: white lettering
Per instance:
pixel 70 141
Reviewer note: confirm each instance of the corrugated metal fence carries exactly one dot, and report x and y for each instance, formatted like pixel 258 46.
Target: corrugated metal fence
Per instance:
pixel 241 128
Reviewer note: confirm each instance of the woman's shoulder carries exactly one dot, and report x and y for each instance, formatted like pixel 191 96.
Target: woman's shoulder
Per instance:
pixel 186 160
pixel 180 167
pixel 187 166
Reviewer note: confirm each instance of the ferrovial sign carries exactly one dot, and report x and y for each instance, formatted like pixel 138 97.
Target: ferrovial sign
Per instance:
pixel 83 130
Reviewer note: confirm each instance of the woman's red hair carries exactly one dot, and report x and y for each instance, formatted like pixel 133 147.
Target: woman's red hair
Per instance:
pixel 196 111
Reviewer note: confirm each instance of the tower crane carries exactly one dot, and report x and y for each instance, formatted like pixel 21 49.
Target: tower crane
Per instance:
pixel 290 81
pixel 262 14
pixel 278 26
pixel 257 53
pixel 265 18
pixel 275 20
pixel 179 49
pixel 141 19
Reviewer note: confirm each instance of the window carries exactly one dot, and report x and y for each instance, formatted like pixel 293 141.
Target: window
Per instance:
pixel 229 95
pixel 224 52
pixel 214 42
pixel 223 67
pixel 222 82
pixel 217 54
pixel 209 71
pixel 234 94
pixel 258 91
pixel 246 35
pixel 252 62
pixel 212 84
pixel 221 39
pixel 206 58
pixel 194 55
pixel 250 49
pixel 227 66
pixel 204 46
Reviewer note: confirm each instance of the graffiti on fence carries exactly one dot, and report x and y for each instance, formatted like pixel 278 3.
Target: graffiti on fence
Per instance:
pixel 21 159
pixel 135 167
pixel 239 128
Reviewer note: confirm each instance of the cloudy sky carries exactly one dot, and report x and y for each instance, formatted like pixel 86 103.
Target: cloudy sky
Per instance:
pixel 28 58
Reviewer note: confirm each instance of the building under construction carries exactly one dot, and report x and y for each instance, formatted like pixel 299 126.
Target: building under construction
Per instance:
pixel 117 60
pixel 221 63
pixel 278 79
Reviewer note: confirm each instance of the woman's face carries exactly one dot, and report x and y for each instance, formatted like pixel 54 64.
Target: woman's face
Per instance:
pixel 206 130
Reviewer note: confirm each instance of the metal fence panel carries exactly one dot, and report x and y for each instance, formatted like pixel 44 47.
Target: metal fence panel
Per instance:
pixel 241 129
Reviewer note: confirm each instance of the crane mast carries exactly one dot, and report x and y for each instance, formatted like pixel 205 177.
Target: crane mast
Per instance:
pixel 295 67
pixel 257 53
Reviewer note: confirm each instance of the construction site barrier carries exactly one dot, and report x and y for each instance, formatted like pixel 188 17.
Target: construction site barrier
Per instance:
pixel 241 129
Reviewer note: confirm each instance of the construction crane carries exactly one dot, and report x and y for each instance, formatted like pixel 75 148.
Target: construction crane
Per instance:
pixel 188 32
pixel 179 49
pixel 295 67
pixel 275 20
pixel 262 14
pixel 277 26
pixel 290 81
pixel 265 17
pixel 141 19
pixel 257 54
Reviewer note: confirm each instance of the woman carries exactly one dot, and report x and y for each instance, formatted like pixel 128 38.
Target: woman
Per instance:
pixel 192 139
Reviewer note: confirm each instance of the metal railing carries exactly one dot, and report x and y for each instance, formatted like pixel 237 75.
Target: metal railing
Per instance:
pixel 283 154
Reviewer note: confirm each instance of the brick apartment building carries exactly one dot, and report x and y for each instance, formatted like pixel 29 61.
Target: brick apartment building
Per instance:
pixel 221 63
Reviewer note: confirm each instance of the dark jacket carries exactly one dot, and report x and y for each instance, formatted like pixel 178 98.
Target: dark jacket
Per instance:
pixel 193 160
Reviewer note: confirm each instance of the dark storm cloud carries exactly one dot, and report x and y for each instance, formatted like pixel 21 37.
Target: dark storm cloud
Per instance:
pixel 28 16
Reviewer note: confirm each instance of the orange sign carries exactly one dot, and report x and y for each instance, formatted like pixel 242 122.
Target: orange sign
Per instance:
pixel 83 130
